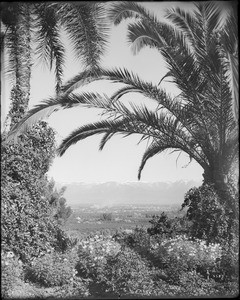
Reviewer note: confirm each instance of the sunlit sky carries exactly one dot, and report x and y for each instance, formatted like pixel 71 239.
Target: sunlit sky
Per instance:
pixel 120 159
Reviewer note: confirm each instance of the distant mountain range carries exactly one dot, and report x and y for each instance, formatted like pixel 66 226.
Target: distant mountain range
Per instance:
pixel 130 193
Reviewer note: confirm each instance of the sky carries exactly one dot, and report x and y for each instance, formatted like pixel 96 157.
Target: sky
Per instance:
pixel 120 159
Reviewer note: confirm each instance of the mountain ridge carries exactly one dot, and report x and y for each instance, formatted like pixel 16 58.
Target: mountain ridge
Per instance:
pixel 128 193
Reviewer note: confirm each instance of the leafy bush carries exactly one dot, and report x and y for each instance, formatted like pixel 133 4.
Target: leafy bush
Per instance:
pixel 52 269
pixel 28 227
pixel 207 214
pixel 160 225
pixel 139 240
pixel 11 272
pixel 166 227
pixel 129 274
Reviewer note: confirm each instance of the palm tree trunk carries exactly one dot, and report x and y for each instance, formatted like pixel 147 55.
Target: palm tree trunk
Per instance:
pixel 21 91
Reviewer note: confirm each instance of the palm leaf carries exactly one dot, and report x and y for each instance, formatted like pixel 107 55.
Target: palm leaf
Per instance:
pixel 234 82
pixel 105 139
pixel 47 107
pixel 83 78
pixel 185 21
pixel 50 48
pixel 140 34
pixel 155 148
pixel 87 29
pixel 108 127
pixel 39 112
pixel 127 9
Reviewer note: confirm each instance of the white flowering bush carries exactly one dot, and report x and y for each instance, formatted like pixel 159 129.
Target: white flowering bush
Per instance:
pixel 12 271
pixel 100 246
pixel 93 253
pixel 196 251
pixel 190 254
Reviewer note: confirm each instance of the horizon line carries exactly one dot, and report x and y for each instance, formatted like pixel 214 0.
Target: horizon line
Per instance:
pixel 124 182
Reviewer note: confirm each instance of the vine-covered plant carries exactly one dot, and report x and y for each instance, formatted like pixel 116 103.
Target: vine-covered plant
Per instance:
pixel 28 227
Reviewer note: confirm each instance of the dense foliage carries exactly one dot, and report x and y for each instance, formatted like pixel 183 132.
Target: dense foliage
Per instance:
pixel 165 227
pixel 28 227
pixel 209 216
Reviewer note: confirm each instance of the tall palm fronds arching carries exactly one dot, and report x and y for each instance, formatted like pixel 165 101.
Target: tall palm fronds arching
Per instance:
pixel 199 121
pixel 41 25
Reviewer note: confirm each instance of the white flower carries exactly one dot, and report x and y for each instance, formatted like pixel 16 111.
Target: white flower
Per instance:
pixel 10 254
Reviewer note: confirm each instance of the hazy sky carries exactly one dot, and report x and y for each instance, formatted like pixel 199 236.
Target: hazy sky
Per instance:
pixel 121 157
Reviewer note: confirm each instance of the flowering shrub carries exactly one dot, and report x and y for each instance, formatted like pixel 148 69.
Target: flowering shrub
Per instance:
pixel 99 246
pixel 52 269
pixel 188 255
pixel 93 253
pixel 12 271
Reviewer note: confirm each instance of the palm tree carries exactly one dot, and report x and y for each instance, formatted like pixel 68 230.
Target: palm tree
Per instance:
pixel 41 24
pixel 199 121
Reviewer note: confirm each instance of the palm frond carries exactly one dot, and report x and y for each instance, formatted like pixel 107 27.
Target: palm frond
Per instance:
pixel 208 19
pixel 185 21
pixel 114 75
pixel 105 139
pixel 123 91
pixel 168 74
pixel 47 107
pixel 83 78
pixel 156 147
pixel 173 46
pixel 87 29
pixel 140 34
pixel 50 49
pixel 234 84
pixel 127 9
pixel 229 40
pixel 39 112
pixel 89 130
